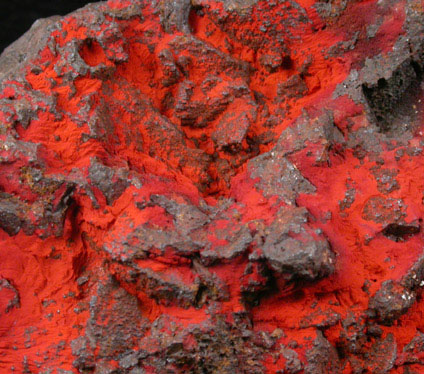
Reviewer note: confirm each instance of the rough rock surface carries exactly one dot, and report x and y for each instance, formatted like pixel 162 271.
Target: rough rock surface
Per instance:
pixel 229 186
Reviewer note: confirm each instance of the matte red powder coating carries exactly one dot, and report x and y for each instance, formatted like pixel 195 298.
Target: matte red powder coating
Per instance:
pixel 214 187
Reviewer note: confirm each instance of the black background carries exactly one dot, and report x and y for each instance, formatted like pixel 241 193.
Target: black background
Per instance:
pixel 17 16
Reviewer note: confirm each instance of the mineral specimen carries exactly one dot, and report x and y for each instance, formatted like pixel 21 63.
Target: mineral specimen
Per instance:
pixel 214 186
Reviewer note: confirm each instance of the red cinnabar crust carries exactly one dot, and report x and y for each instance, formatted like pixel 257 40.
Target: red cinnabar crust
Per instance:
pixel 214 187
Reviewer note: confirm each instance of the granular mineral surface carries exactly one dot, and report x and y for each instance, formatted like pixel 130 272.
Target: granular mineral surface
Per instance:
pixel 214 187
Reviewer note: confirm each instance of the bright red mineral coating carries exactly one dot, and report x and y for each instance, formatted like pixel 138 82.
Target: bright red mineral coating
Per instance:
pixel 144 156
